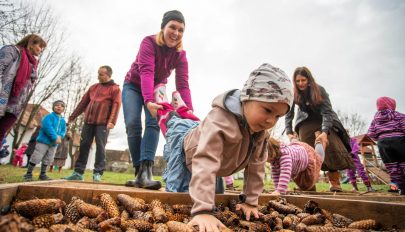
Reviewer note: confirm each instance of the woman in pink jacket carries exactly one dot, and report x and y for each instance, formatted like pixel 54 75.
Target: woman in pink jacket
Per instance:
pixel 157 57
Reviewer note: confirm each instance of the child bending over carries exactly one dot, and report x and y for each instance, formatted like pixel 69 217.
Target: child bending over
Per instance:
pixel 232 137
pixel 297 161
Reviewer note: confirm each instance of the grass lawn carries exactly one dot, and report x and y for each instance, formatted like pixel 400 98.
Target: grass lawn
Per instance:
pixel 11 174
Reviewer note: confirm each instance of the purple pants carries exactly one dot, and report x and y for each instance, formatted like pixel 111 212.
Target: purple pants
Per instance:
pixel 397 173
pixel 6 122
pixel 360 171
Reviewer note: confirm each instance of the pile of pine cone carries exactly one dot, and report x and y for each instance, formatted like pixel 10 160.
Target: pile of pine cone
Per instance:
pixel 128 213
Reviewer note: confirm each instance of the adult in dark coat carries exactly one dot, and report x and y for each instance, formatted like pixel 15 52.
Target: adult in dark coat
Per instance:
pixel 315 114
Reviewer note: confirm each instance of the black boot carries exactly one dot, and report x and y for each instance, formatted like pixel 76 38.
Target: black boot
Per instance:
pixel 43 175
pixel 28 175
pixel 132 183
pixel 144 179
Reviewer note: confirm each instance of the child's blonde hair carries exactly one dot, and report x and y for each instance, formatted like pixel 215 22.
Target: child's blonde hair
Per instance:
pixel 273 147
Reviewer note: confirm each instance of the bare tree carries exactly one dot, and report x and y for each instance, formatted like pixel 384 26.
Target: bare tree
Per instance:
pixel 353 122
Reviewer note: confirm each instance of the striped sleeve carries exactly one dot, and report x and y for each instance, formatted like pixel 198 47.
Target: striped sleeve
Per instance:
pixel 285 172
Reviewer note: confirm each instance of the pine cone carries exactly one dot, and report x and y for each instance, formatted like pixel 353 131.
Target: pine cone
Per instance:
pixel 131 204
pixel 168 208
pixel 313 219
pixel 14 222
pixel 159 214
pixel 47 220
pixel 140 225
pixel 88 210
pixel 177 217
pixel 72 212
pixel 232 205
pixel 329 229
pixel 263 209
pixel 184 209
pixel 132 230
pixel 124 215
pixel 310 207
pixel 36 207
pixel 340 221
pixel 83 223
pixel 160 227
pixel 61 228
pixel 109 223
pixel 364 224
pixel 109 205
pixel 282 208
pixel 178 227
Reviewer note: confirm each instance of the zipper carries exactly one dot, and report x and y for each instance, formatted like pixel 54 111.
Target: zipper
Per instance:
pixel 95 96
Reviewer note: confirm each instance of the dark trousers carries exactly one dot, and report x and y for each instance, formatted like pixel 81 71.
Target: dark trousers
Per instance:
pixel 89 132
pixel 6 122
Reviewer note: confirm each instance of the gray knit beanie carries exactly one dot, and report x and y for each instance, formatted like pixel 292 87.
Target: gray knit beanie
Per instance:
pixel 172 15
pixel 268 84
pixel 56 102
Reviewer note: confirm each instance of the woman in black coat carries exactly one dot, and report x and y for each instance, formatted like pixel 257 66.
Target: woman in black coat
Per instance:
pixel 315 114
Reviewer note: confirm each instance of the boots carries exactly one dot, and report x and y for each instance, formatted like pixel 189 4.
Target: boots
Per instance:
pixel 355 188
pixel 144 179
pixel 334 181
pixel 28 175
pixel 43 175
pixel 132 183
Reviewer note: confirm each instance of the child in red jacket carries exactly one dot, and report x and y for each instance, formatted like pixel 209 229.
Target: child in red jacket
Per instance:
pixel 19 155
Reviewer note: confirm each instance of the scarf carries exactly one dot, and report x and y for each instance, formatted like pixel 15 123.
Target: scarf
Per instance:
pixel 24 71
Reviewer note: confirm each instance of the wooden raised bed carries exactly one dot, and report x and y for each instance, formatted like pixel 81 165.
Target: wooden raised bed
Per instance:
pixel 359 207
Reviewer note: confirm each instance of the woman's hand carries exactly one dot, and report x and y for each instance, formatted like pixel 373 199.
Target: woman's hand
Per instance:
pixel 153 108
pixel 248 210
pixel 292 137
pixel 206 223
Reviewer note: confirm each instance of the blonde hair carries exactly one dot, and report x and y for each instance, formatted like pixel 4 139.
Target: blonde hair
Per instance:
pixel 161 41
pixel 273 148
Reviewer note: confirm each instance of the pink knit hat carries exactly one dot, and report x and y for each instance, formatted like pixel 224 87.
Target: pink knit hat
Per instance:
pixel 384 103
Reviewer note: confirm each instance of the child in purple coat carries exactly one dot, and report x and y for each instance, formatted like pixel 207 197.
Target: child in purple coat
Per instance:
pixel 388 129
pixel 359 168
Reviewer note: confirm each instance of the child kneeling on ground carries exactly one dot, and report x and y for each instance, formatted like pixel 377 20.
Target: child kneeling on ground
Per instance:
pixel 297 161
pixel 232 137
pixel 50 135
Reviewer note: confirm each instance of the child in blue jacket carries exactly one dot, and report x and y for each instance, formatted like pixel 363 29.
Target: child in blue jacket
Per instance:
pixel 51 134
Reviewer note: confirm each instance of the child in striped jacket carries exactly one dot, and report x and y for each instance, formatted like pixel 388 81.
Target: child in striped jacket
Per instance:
pixel 297 161
pixel 388 129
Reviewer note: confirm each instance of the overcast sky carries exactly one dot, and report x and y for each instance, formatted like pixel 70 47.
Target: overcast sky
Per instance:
pixel 355 49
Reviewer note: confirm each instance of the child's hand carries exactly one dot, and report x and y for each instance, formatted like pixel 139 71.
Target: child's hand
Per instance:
pixel 58 140
pixel 206 223
pixel 248 210
pixel 276 193
pixel 322 138
pixel 110 126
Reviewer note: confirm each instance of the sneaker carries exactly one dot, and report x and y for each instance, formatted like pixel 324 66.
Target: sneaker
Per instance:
pixel 370 189
pixel 27 178
pixel 96 177
pixel 44 177
pixel 74 176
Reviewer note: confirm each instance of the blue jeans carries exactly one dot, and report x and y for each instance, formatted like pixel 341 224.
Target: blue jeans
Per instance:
pixel 141 148
pixel 176 175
